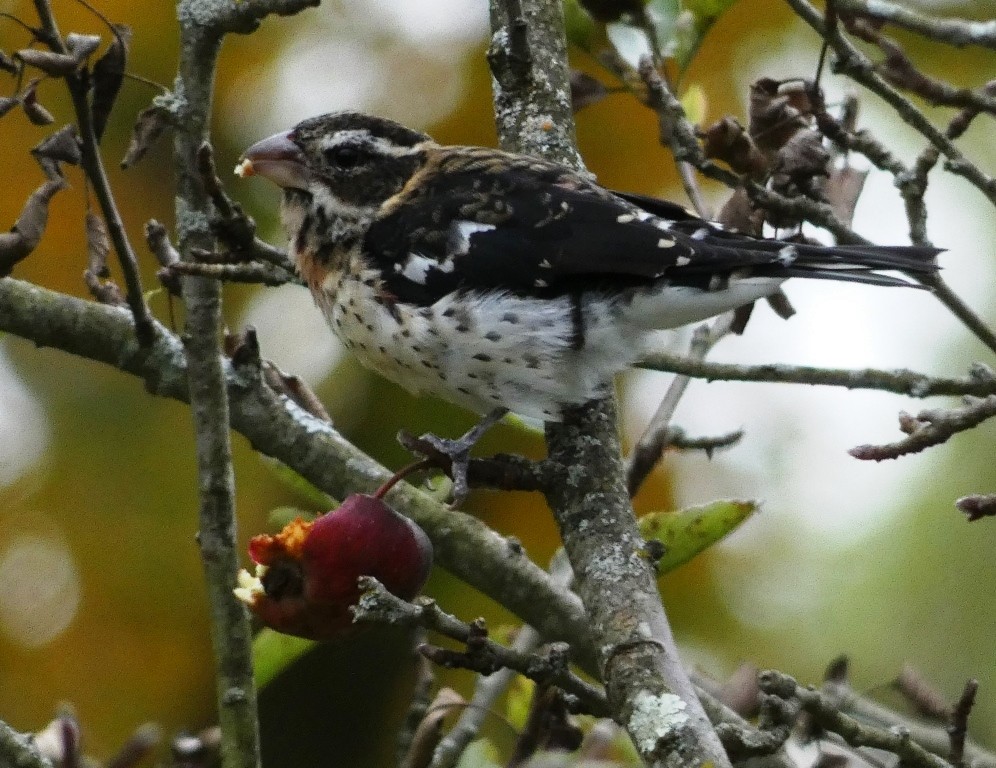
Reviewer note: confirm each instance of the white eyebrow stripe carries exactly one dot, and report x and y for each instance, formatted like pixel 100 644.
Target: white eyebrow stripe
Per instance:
pixel 361 137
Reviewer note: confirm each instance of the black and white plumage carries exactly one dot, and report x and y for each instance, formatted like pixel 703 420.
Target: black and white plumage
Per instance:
pixel 496 280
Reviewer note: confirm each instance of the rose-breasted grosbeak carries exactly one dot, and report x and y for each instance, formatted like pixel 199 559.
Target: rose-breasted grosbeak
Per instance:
pixel 496 280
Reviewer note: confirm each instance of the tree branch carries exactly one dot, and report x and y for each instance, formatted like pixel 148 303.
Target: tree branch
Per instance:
pixel 231 634
pixel 275 426
pixel 957 32
pixel 648 689
pixel 828 716
pixel 861 69
pixel 929 428
pixel 93 165
pixel 17 750
pixel 980 382
pixel 379 605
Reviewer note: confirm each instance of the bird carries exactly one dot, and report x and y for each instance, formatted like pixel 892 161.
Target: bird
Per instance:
pixel 507 282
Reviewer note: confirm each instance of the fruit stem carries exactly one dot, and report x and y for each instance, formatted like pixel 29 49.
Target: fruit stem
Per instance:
pixel 401 474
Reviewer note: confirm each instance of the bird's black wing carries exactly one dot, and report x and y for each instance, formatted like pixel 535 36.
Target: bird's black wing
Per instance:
pixel 537 229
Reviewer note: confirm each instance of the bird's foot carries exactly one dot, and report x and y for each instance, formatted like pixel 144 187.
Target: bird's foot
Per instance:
pixel 452 455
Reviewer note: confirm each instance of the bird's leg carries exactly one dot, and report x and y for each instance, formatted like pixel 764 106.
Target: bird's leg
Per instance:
pixel 454 453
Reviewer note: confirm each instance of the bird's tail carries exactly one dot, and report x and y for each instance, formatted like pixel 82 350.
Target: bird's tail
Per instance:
pixel 853 263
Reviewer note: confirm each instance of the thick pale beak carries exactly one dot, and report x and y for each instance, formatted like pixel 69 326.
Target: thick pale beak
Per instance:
pixel 278 159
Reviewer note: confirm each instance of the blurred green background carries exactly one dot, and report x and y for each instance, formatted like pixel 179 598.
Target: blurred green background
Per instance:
pixel 101 599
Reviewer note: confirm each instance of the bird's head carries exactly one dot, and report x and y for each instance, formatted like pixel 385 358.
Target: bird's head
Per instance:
pixel 349 163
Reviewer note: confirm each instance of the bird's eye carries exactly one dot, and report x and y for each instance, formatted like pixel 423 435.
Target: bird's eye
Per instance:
pixel 344 156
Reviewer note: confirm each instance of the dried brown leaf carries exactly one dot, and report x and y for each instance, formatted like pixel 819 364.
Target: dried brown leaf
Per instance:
pixel 24 236
pixel 801 168
pixel 62 146
pixel 739 215
pixel 773 118
pixel 98 245
pixel 843 190
pixel 49 62
pixel 586 90
pixel 81 46
pixel 727 140
pixel 36 113
pixel 8 64
pixel 430 730
pixel 7 103
pixel 108 74
pixel 149 125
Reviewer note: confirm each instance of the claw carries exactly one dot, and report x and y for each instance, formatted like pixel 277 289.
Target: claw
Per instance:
pixel 452 455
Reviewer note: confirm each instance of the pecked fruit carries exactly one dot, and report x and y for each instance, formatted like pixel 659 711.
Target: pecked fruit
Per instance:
pixel 306 575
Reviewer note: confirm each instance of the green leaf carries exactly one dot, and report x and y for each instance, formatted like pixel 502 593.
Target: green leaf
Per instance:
pixel 480 753
pixel 273 652
pixel 529 427
pixel 708 9
pixel 582 30
pixel 686 533
pixel 518 700
pixel 681 25
pixel 695 103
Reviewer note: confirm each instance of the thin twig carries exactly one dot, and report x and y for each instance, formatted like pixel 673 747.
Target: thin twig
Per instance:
pixel 934 738
pixel 488 689
pixel 977 506
pixel 898 70
pixel 918 691
pixel 957 32
pixel 860 68
pixel 829 717
pixel 929 428
pixel 980 382
pixel 958 730
pixel 376 604
pixel 655 438
pixel 94 167
pixel 259 272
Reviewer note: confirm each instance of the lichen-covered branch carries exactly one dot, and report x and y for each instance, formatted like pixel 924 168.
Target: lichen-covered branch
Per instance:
pixel 649 692
pixel 17 750
pixel 275 426
pixel 231 635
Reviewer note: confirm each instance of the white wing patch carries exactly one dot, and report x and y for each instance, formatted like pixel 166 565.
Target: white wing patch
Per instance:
pixel 460 232
pixel 416 267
